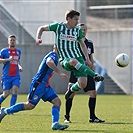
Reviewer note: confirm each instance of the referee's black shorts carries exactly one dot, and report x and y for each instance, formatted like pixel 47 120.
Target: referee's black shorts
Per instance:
pixel 90 82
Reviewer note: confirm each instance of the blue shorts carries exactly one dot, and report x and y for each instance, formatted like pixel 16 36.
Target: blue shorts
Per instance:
pixel 8 83
pixel 40 91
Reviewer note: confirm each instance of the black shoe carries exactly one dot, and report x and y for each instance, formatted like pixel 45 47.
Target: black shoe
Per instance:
pixel 68 93
pixel 96 120
pixel 67 119
pixel 98 78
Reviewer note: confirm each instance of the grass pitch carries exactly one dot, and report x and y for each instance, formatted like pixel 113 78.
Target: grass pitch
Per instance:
pixel 115 109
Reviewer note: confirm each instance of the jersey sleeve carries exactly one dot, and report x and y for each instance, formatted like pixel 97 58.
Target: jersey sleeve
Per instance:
pixel 19 53
pixel 53 26
pixel 92 50
pixel 80 35
pixel 2 53
pixel 54 58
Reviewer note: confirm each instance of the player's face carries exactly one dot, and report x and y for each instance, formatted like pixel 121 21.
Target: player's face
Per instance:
pixel 12 42
pixel 73 21
pixel 84 30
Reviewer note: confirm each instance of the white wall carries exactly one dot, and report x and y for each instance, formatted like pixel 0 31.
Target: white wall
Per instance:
pixel 32 13
pixel 108 44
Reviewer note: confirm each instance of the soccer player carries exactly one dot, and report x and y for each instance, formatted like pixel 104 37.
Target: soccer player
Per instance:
pixel 10 57
pixel 40 89
pixel 68 35
pixel 90 88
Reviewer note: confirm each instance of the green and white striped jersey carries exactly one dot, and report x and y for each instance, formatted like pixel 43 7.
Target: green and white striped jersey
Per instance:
pixel 67 40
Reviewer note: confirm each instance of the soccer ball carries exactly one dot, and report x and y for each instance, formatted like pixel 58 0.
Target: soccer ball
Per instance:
pixel 122 60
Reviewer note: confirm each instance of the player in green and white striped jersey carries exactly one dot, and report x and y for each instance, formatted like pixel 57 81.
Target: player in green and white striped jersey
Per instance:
pixel 68 35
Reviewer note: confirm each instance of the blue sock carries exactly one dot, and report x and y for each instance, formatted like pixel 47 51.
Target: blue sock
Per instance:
pixel 13 99
pixel 15 108
pixel 1 99
pixel 55 114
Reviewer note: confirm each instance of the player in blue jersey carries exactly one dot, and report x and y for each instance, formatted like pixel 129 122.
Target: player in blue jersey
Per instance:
pixel 10 57
pixel 40 89
pixel 90 88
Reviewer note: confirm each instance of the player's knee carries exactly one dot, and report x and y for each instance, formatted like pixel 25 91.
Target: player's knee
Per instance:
pixel 56 101
pixel 28 106
pixel 73 62
pixel 6 94
pixel 92 94
pixel 82 85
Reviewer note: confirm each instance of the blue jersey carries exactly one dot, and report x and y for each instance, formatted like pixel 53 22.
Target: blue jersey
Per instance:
pixel 11 67
pixel 44 72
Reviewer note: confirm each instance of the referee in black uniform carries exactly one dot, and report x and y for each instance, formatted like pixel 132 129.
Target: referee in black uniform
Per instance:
pixel 90 88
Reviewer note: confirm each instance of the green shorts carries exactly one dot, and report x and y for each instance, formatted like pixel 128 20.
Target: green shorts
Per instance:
pixel 65 64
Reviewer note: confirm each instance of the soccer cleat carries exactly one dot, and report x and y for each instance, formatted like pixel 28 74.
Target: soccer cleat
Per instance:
pixel 67 119
pixel 68 93
pixel 96 120
pixel 58 126
pixel 98 78
pixel 2 114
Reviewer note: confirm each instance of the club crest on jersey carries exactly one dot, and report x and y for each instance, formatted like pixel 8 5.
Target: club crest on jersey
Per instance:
pixel 89 50
pixel 35 97
pixel 67 37
pixel 4 86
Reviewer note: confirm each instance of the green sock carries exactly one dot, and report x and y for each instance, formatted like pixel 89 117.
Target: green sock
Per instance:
pixel 85 69
pixel 75 87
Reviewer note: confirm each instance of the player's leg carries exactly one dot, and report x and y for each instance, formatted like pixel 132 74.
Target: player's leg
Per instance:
pixel 70 63
pixel 68 106
pixel 15 87
pixel 52 97
pixel 15 108
pixel 68 103
pixel 36 92
pixel 80 84
pixel 6 86
pixel 91 90
pixel 4 95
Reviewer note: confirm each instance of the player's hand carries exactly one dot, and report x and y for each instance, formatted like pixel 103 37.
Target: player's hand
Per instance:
pixel 20 69
pixel 38 41
pixel 63 75
pixel 10 58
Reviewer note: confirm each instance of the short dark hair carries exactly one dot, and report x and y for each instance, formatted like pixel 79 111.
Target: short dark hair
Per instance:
pixel 12 36
pixel 71 14
pixel 82 24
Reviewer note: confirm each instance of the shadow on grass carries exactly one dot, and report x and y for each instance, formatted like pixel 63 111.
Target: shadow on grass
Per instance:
pixel 117 123
pixel 88 131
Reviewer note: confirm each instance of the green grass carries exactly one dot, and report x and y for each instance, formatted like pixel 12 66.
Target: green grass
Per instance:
pixel 115 109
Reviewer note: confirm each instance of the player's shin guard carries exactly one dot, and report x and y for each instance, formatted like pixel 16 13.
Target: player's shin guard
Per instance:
pixel 1 99
pixel 84 69
pixel 15 108
pixel 75 87
pixel 13 99
pixel 55 114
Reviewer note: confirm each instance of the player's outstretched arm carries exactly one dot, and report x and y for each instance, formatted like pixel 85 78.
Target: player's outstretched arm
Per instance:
pixel 52 65
pixel 40 30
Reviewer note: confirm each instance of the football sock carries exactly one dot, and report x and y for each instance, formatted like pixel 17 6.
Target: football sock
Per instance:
pixel 55 114
pixel 13 99
pixel 84 69
pixel 91 104
pixel 15 108
pixel 68 106
pixel 1 99
pixel 75 87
